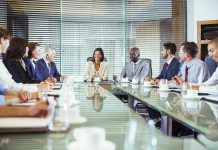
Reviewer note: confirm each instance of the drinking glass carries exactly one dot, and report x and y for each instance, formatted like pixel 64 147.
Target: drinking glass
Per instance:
pixel 59 120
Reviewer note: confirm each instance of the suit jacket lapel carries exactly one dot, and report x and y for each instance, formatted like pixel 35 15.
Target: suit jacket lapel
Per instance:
pixel 45 68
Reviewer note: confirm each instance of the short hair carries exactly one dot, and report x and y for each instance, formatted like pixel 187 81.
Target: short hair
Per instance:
pixel 214 42
pixel 49 49
pixel 170 46
pixel 32 47
pixel 5 34
pixel 135 49
pixel 16 48
pixel 191 48
pixel 101 52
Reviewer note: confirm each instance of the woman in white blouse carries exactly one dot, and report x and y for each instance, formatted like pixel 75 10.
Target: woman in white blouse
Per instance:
pixel 97 70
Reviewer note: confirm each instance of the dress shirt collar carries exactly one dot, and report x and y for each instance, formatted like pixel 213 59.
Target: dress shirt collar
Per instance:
pixel 170 60
pixel 47 62
pixel 191 62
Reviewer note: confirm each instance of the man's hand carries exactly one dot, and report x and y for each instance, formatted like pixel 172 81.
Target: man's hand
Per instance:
pixel 178 80
pixel 24 96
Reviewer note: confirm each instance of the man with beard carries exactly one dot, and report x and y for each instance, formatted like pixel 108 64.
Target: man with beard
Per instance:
pixel 136 67
pixel 172 66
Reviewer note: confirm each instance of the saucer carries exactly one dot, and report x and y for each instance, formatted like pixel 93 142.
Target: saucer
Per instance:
pixel 78 120
pixel 107 145
pixel 164 90
pixel 191 97
pixel 147 85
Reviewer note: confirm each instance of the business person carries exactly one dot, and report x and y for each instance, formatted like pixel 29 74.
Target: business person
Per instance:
pixel 172 66
pixel 17 50
pixel 193 69
pixel 46 67
pixel 211 64
pixel 30 61
pixel 97 68
pixel 136 67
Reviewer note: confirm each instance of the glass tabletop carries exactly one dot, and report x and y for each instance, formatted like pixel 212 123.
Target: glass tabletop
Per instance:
pixel 197 114
pixel 102 109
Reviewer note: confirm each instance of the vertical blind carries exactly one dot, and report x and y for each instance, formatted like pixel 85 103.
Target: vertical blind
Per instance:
pixel 76 27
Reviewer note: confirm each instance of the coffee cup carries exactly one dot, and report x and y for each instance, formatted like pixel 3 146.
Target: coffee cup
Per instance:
pixel 147 83
pixel 135 81
pixel 90 137
pixel 124 80
pixel 192 93
pixel 163 86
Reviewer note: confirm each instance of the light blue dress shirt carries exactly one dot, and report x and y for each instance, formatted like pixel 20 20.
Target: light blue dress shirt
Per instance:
pixel 197 71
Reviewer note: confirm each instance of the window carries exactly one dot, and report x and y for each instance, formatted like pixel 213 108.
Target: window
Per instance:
pixel 77 27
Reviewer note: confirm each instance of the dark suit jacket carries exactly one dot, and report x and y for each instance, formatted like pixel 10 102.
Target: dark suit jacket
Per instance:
pixel 211 64
pixel 42 72
pixel 19 74
pixel 30 69
pixel 171 70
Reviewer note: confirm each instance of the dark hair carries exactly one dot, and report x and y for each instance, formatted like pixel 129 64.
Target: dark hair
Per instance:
pixel 17 48
pixel 102 54
pixel 5 34
pixel 170 46
pixel 191 48
pixel 32 47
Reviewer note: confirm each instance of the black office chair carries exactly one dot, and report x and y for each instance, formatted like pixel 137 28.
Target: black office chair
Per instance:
pixel 90 59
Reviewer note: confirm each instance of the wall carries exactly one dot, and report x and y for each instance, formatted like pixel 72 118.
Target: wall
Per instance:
pixel 198 10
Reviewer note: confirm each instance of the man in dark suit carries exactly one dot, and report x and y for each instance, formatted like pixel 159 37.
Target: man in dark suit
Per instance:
pixel 33 56
pixel 46 67
pixel 172 66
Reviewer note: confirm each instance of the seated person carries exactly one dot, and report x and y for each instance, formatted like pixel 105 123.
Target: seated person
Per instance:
pixel 30 61
pixel 136 67
pixel 6 77
pixel 211 85
pixel 46 67
pixel 193 70
pixel 172 66
pixel 211 64
pixel 16 51
pixel 97 69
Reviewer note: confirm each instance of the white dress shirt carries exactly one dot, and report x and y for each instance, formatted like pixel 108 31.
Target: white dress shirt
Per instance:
pixel 213 80
pixel 197 71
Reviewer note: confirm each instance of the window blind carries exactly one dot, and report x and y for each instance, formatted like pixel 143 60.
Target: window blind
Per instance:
pixel 76 27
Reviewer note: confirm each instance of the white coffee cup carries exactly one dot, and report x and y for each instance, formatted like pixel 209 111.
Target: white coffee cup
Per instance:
pixel 124 80
pixel 135 81
pixel 192 93
pixel 163 86
pixel 89 137
pixel 97 79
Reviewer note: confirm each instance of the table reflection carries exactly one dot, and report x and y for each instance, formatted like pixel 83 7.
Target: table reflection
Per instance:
pixel 97 94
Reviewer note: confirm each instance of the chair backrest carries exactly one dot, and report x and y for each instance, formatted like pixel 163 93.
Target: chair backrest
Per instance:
pixel 150 64
pixel 90 59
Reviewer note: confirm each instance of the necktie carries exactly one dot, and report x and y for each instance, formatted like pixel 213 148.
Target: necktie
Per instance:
pixel 166 65
pixel 34 61
pixel 49 68
pixel 134 69
pixel 186 74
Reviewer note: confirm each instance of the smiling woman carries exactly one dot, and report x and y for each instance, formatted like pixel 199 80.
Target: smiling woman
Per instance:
pixel 97 70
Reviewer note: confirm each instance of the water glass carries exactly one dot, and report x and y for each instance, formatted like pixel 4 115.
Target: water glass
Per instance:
pixel 59 120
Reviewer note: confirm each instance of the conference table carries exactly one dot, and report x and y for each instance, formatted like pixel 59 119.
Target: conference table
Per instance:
pixel 123 126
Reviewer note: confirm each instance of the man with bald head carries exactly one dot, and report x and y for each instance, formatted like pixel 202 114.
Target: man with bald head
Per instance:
pixel 136 67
